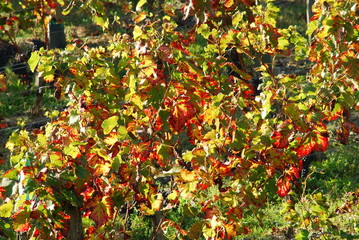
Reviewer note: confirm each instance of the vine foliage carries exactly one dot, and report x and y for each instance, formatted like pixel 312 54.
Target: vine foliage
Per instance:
pixel 160 121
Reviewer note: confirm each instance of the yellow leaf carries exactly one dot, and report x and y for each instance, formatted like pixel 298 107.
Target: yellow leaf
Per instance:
pixel 230 230
pixel 140 4
pixel 6 209
pixel 173 195
pixel 49 78
pixel 157 202
pixel 137 32
pixel 210 114
pixel 72 151
pixel 111 139
pixel 102 169
pixel 55 160
pixel 187 176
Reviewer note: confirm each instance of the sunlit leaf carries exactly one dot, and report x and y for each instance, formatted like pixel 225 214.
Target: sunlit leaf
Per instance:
pixel 109 124
pixel 228 3
pixel 34 61
pixel 187 176
pixel 182 111
pixel 56 160
pixel 141 16
pixel 21 221
pixel 314 142
pixel 3 83
pixel 101 21
pixel 100 213
pixel 6 209
pixel 137 32
pixel 140 4
pixel 72 151
pixel 283 185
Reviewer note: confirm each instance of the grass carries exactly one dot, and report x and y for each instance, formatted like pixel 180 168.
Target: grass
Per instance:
pixel 19 99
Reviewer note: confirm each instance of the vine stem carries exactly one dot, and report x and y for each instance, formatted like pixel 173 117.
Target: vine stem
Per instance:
pixel 126 220
pixel 44 27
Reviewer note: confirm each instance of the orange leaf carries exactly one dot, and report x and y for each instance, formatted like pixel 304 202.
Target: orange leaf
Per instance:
pixel 229 3
pixel 141 16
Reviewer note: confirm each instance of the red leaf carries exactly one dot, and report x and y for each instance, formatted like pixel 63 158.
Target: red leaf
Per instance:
pixel 249 3
pixel 314 142
pixel 293 173
pixel 100 212
pixel 21 221
pixel 281 141
pixel 344 131
pixel 321 143
pixel 194 133
pixel 2 193
pixel 305 149
pixel 283 185
pixel 182 111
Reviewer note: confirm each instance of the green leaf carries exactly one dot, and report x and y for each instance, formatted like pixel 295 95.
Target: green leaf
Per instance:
pixel 101 21
pixel 71 197
pixel 122 132
pixel 109 124
pixel 204 30
pixel 283 43
pixel 312 26
pixel 12 174
pixel 34 60
pixel 302 235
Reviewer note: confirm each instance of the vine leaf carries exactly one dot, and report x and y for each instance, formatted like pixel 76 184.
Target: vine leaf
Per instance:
pixel 34 61
pixel 109 124
pixel 182 111
pixel 100 213
pixel 314 142
pixel 21 221
pixel 6 209
pixel 141 16
pixel 3 84
pixel 281 141
pixel 283 185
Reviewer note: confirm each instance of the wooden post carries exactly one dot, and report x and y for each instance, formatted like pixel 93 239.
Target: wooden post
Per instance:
pixel 76 231
pixel 39 83
pixel 56 30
